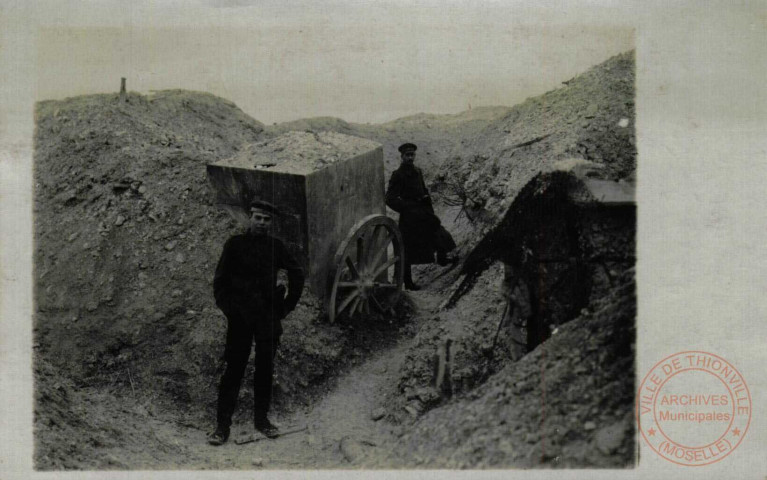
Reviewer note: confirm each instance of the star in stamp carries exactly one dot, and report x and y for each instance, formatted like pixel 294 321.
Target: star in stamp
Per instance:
pixel 693 408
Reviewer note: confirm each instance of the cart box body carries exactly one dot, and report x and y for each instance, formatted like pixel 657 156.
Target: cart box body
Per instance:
pixel 322 183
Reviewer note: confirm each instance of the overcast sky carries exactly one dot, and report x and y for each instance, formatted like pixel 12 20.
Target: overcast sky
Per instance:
pixel 351 60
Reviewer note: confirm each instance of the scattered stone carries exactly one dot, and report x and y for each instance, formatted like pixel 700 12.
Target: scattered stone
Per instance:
pixel 378 413
pixel 68 197
pixel 427 395
pixel 73 236
pixel 120 220
pixel 623 123
pixel 180 258
pixel 209 241
pixel 588 426
pixel 410 409
pixel 351 449
pixel 258 462
pixel 171 245
pixel 142 189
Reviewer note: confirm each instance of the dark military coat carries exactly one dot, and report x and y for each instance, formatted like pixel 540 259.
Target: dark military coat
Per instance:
pixel 245 283
pixel 407 195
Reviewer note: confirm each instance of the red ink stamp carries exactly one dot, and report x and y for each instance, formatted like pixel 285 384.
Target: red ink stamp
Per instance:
pixel 693 408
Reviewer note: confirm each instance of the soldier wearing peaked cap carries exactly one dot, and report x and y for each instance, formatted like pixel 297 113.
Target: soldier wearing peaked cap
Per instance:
pixel 245 288
pixel 407 148
pixel 422 231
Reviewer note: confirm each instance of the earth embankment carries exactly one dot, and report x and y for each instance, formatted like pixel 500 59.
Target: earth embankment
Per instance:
pixel 127 238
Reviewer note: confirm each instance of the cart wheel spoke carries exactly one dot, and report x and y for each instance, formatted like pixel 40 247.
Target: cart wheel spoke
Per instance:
pixel 348 300
pixel 379 255
pixel 367 262
pixel 385 266
pixel 356 303
pixel 376 238
pixel 352 268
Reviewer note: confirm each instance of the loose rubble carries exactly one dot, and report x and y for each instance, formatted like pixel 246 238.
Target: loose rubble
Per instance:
pixel 300 153
pixel 127 238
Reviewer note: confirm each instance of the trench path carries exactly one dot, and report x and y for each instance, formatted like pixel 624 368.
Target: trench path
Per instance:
pixel 340 431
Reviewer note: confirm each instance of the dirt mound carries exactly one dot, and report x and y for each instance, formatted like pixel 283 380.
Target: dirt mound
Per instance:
pixel 567 404
pixel 561 250
pixel 80 428
pixel 567 252
pixel 127 238
pixel 436 135
pixel 590 119
pixel 477 161
pixel 469 330
pixel 60 421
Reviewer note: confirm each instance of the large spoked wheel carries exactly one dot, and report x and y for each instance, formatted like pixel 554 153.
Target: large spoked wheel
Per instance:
pixel 368 268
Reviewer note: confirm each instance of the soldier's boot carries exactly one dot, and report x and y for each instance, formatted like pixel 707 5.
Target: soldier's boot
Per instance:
pixel 267 428
pixel 219 437
pixel 408 278
pixel 444 260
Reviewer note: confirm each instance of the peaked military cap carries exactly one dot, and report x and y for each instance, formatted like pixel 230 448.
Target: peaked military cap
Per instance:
pixel 407 147
pixel 265 206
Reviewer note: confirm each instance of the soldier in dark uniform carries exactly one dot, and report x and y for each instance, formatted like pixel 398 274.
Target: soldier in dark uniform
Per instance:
pixel 245 287
pixel 422 231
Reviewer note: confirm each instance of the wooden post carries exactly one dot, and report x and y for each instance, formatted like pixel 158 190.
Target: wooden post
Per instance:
pixel 443 366
pixel 122 88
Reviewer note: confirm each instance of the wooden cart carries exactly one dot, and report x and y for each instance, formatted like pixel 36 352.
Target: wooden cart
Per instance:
pixel 330 190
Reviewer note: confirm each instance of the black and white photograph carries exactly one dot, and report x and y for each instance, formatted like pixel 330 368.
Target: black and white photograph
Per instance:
pixel 347 236
pixel 448 289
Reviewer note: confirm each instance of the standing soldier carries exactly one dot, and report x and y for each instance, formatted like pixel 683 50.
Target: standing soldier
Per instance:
pixel 245 287
pixel 422 232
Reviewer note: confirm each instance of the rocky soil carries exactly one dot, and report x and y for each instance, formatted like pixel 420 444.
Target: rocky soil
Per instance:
pixel 566 404
pixel 436 135
pixel 300 153
pixel 476 162
pixel 128 341
pixel 127 241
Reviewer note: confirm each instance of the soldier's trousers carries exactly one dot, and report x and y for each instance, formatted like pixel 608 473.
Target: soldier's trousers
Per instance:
pixel 239 339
